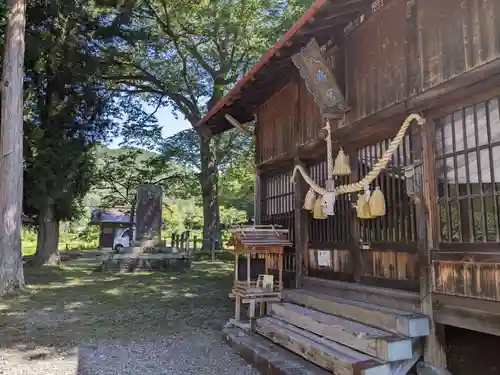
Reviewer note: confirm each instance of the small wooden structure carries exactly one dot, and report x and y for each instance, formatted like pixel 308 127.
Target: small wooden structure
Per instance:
pixel 110 221
pixel 266 240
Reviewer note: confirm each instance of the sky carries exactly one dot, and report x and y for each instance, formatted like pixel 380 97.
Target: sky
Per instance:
pixel 170 125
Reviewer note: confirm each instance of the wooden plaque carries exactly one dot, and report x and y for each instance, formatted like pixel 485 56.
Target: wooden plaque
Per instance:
pixel 319 79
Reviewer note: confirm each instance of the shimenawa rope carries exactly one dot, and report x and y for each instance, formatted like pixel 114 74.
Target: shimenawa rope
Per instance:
pixel 373 174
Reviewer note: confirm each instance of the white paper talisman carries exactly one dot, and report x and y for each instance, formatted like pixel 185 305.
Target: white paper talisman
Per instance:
pixel 324 258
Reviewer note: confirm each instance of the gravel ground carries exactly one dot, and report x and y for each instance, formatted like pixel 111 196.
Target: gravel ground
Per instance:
pixel 189 353
pixel 194 353
pixel 72 321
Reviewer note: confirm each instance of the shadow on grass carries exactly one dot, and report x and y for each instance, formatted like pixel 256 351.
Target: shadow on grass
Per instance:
pixel 64 306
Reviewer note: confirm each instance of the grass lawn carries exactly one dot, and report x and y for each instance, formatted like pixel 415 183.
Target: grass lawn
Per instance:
pixel 64 306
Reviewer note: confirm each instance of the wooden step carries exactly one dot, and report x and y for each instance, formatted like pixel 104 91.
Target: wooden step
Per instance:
pixel 268 357
pixel 366 339
pixel 396 321
pixel 328 354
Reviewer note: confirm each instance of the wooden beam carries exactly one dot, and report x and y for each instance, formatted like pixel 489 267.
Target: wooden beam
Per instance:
pixel 267 357
pixel 340 20
pixel 324 353
pixel 485 77
pixel 392 320
pixel 363 338
pixel 369 11
pixel 395 299
pixel 348 6
pixel 468 313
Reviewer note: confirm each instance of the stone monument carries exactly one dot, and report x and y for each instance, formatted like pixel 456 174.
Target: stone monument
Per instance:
pixel 148 217
pixel 147 252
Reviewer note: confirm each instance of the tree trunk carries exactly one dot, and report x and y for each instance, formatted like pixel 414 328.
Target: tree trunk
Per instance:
pixel 209 188
pixel 47 247
pixel 11 149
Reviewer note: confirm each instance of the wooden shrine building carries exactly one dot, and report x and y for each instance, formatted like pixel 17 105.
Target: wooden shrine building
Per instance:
pixel 436 251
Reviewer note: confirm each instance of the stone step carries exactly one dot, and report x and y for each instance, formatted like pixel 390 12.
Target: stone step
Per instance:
pixel 366 339
pixel 400 322
pixel 267 357
pixel 325 353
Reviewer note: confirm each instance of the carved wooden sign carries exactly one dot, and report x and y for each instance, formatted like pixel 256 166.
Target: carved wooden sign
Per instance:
pixel 319 79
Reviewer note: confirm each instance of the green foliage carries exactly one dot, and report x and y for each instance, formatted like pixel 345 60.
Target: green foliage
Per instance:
pixel 119 176
pixel 188 54
pixel 86 239
pixel 89 67
pixel 69 108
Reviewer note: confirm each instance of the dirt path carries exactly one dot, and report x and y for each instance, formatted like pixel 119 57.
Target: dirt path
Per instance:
pixel 73 320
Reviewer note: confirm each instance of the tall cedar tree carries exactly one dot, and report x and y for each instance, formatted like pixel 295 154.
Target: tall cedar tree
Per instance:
pixel 11 149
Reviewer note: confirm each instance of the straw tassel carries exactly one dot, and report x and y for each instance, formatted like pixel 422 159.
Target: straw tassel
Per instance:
pixel 363 207
pixel 310 200
pixel 377 203
pixel 318 213
pixel 342 167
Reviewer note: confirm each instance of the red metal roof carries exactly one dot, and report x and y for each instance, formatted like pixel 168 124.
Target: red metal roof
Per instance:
pixel 265 58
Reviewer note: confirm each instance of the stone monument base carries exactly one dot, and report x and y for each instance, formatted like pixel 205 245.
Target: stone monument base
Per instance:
pixel 145 262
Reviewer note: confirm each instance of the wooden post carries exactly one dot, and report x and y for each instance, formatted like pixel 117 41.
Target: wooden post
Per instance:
pixel 249 255
pixel 280 268
pixel 257 202
pixel 236 261
pixel 301 229
pixel 11 149
pixel 424 198
pixel 355 224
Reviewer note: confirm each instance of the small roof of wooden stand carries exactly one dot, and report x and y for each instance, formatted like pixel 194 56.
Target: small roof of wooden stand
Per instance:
pixel 259 239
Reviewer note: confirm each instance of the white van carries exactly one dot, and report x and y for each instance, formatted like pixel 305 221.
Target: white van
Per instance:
pixel 122 238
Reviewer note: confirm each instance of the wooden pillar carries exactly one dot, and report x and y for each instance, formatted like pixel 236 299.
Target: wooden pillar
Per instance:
pixel 301 228
pixel 236 261
pixel 257 202
pixel 355 224
pixel 428 238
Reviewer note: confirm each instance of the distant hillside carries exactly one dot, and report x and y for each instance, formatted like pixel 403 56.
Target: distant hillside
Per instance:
pixel 103 151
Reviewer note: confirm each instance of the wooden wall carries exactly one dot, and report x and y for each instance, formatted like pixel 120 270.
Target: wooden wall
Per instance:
pixel 376 61
pixel 276 130
pixel 467 279
pixel 405 49
pixel 290 118
pixel 410 46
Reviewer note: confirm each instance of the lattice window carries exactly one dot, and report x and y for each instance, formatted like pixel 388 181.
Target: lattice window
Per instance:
pixel 468 169
pixel 399 223
pixel 278 201
pixel 336 229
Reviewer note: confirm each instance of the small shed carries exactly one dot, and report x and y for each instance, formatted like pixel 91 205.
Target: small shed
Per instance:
pixel 110 220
